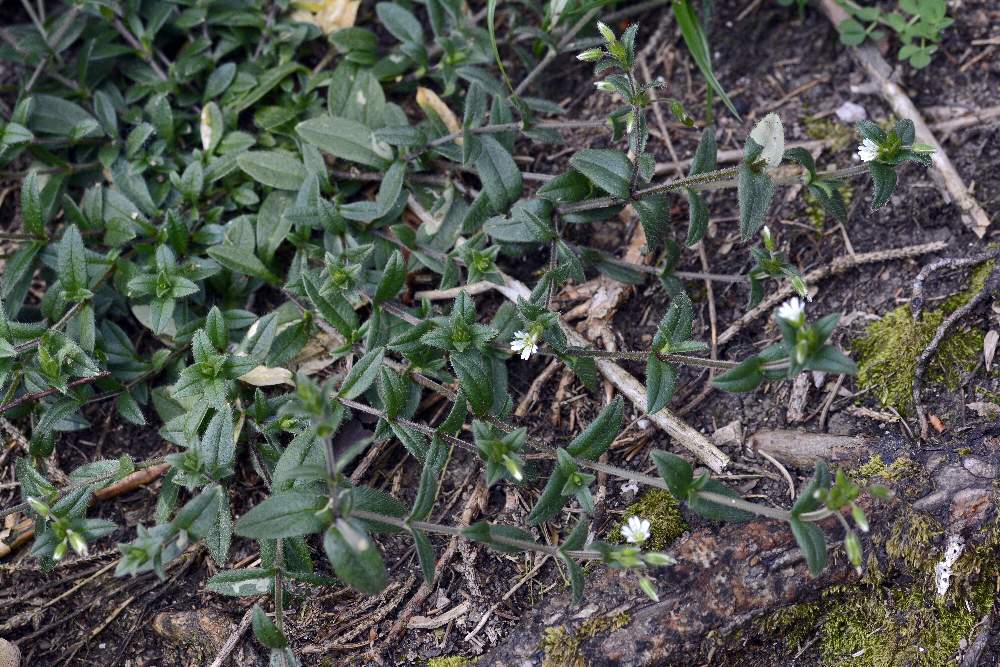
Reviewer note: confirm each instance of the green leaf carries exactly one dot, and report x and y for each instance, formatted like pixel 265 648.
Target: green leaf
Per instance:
pixel 884 178
pixel 654 214
pixel 706 154
pixel 248 582
pixel 697 44
pixel 812 542
pixel 126 406
pixel 807 500
pixel 400 23
pixel 354 557
pixel 265 84
pixel 697 218
pixel 754 192
pixel 425 554
pixel 475 382
pixel 275 169
pixel 661 381
pixel 390 188
pixel 266 631
pixel 362 374
pixel 831 360
pixel 608 169
pixel 285 514
pixel 576 577
pixel 216 328
pixel 745 377
pixel 675 472
pixel 715 511
pixel 499 174
pixel 393 278
pixel 216 449
pixel 566 188
pixel 551 499
pixel 32 214
pixel 72 260
pixel 346 139
pixel 601 432
pixel 241 260
pixel 332 307
pixel 429 476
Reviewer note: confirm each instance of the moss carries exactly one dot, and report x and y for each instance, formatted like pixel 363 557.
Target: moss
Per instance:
pixel 892 628
pixel 839 135
pixel 666 523
pixel 562 647
pixel 875 467
pixel 887 354
pixel 448 661
pixel 912 541
pixel 870 624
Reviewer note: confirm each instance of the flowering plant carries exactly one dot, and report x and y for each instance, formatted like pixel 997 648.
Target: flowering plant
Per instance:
pixel 201 221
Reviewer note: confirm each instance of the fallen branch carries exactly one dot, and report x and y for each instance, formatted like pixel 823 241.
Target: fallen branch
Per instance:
pixel 834 268
pixel 948 178
pixel 632 389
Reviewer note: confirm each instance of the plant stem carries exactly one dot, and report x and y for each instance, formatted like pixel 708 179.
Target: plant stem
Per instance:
pixel 641 355
pixel 455 531
pixel 38 395
pixel 148 463
pixel 507 127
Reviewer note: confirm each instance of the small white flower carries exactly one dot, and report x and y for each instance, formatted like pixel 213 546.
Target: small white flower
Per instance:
pixel 792 311
pixel 524 342
pixel 868 150
pixel 636 530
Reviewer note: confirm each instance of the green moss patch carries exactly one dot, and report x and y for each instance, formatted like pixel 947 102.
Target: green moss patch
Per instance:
pixel 662 511
pixel 887 353
pixel 562 646
pixel 448 661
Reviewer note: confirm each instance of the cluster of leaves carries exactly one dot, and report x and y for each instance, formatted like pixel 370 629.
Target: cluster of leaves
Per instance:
pixel 202 208
pixel 917 24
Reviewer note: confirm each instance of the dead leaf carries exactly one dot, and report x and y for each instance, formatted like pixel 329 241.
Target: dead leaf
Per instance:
pixel 985 409
pixel 328 15
pixel 263 376
pixel 990 347
pixel 936 423
pixel 429 101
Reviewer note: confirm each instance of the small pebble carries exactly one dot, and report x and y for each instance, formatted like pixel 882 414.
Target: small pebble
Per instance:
pixel 849 112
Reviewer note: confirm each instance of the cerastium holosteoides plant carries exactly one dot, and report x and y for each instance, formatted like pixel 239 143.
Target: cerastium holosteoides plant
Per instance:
pixel 200 207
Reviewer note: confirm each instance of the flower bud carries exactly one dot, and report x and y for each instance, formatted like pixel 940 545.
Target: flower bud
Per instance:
pixel 590 55
pixel 607 33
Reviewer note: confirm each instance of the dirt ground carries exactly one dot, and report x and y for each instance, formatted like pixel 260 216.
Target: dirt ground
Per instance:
pixel 769 59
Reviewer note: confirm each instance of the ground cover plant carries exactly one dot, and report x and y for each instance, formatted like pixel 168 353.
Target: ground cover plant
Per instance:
pixel 273 235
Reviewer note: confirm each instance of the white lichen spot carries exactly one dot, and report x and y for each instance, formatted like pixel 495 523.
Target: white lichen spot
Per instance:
pixel 942 570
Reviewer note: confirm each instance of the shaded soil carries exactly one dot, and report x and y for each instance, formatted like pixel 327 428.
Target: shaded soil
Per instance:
pixel 763 58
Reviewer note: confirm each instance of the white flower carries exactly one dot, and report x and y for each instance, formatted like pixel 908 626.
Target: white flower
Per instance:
pixel 524 342
pixel 636 530
pixel 793 311
pixel 868 150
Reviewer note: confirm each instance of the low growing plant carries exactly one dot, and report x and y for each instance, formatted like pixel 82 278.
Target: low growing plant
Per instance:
pixel 916 23
pixel 199 205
